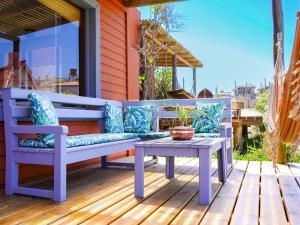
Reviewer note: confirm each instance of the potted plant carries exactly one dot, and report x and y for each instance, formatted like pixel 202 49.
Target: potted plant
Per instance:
pixel 182 132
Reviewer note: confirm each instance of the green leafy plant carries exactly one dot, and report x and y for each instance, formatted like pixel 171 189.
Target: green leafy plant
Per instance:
pixel 182 115
pixel 163 83
pixel 262 101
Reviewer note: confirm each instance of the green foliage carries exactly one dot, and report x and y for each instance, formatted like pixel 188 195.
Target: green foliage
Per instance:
pixel 255 150
pixel 254 154
pixel 290 156
pixel 182 115
pixel 163 83
pixel 262 102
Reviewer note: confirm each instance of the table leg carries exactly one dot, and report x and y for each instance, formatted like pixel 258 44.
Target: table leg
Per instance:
pixel 204 177
pixel 170 167
pixel 139 172
pixel 222 163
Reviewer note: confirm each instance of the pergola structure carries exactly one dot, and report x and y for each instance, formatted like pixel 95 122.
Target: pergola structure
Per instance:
pixel 136 3
pixel 171 52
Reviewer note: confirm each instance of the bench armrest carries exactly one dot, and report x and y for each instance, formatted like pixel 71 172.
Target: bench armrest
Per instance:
pixel 225 125
pixel 38 129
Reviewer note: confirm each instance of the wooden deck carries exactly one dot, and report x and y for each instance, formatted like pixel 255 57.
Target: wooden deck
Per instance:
pixel 254 193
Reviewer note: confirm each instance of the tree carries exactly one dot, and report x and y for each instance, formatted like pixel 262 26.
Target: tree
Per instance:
pixel 163 83
pixel 262 101
pixel 161 15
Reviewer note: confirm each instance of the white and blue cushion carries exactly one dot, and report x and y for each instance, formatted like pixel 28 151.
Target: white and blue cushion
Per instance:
pixel 207 117
pixel 113 119
pixel 153 135
pixel 79 140
pixel 42 112
pixel 137 119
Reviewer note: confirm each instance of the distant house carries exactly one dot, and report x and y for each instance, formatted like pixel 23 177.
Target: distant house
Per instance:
pixel 247 94
pixel 16 74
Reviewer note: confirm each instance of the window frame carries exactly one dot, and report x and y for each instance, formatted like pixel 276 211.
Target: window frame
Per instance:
pixel 89 53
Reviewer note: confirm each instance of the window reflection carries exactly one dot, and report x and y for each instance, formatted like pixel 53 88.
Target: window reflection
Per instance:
pixel 39 45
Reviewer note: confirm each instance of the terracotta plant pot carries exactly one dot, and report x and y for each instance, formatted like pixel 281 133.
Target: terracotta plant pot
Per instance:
pixel 182 133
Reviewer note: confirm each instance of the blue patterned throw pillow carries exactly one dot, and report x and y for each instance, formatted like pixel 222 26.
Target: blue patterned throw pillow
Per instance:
pixel 113 119
pixel 137 119
pixel 208 117
pixel 42 112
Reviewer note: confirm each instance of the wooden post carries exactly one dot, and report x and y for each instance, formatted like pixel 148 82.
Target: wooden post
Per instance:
pixel 174 73
pixel 282 157
pixel 238 138
pixel 278 28
pixel 245 139
pixel 194 82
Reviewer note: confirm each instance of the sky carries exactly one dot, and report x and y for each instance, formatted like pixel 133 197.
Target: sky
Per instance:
pixel 233 39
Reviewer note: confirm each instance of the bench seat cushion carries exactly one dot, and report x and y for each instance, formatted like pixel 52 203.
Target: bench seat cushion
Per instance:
pixel 80 140
pixel 153 135
pixel 207 135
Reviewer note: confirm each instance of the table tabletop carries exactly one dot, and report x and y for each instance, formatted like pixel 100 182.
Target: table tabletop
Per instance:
pixel 169 142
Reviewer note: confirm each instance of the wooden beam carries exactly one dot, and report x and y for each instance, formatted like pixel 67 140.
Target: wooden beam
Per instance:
pixel 136 3
pixel 195 81
pixel 174 73
pixel 169 50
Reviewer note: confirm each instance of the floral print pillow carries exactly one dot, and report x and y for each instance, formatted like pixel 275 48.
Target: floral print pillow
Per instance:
pixel 208 117
pixel 42 112
pixel 137 119
pixel 113 119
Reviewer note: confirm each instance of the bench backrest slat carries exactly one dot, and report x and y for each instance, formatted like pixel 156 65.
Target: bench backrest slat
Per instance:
pixel 22 94
pixel 227 114
pixel 23 112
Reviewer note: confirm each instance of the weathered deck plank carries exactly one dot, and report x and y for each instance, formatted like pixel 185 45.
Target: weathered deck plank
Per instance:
pixel 104 196
pixel 140 212
pixel 290 192
pixel 119 209
pixel 89 210
pixel 193 213
pixel 247 206
pixel 221 209
pixel 83 195
pixel 271 206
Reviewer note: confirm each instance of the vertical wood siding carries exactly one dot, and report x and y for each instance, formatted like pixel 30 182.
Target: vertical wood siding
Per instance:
pixel 113 50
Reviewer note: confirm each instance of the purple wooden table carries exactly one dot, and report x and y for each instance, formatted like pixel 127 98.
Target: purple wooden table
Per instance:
pixel 200 147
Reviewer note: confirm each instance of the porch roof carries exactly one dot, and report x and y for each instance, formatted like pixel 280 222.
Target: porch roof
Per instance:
pixel 173 47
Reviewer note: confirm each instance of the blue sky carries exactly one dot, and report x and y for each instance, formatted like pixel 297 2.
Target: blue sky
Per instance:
pixel 233 39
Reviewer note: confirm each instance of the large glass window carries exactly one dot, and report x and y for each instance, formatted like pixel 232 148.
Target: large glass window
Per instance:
pixel 40 45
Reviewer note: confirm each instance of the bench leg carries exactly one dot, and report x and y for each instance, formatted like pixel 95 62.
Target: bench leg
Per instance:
pixel 139 172
pixel 60 169
pixel 204 177
pixel 11 176
pixel 104 160
pixel 60 184
pixel 222 163
pixel 170 167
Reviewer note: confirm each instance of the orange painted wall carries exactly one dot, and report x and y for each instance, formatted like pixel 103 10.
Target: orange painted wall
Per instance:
pixel 119 61
pixel 119 77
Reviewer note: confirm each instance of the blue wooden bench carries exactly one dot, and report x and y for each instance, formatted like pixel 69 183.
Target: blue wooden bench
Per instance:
pixel 15 108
